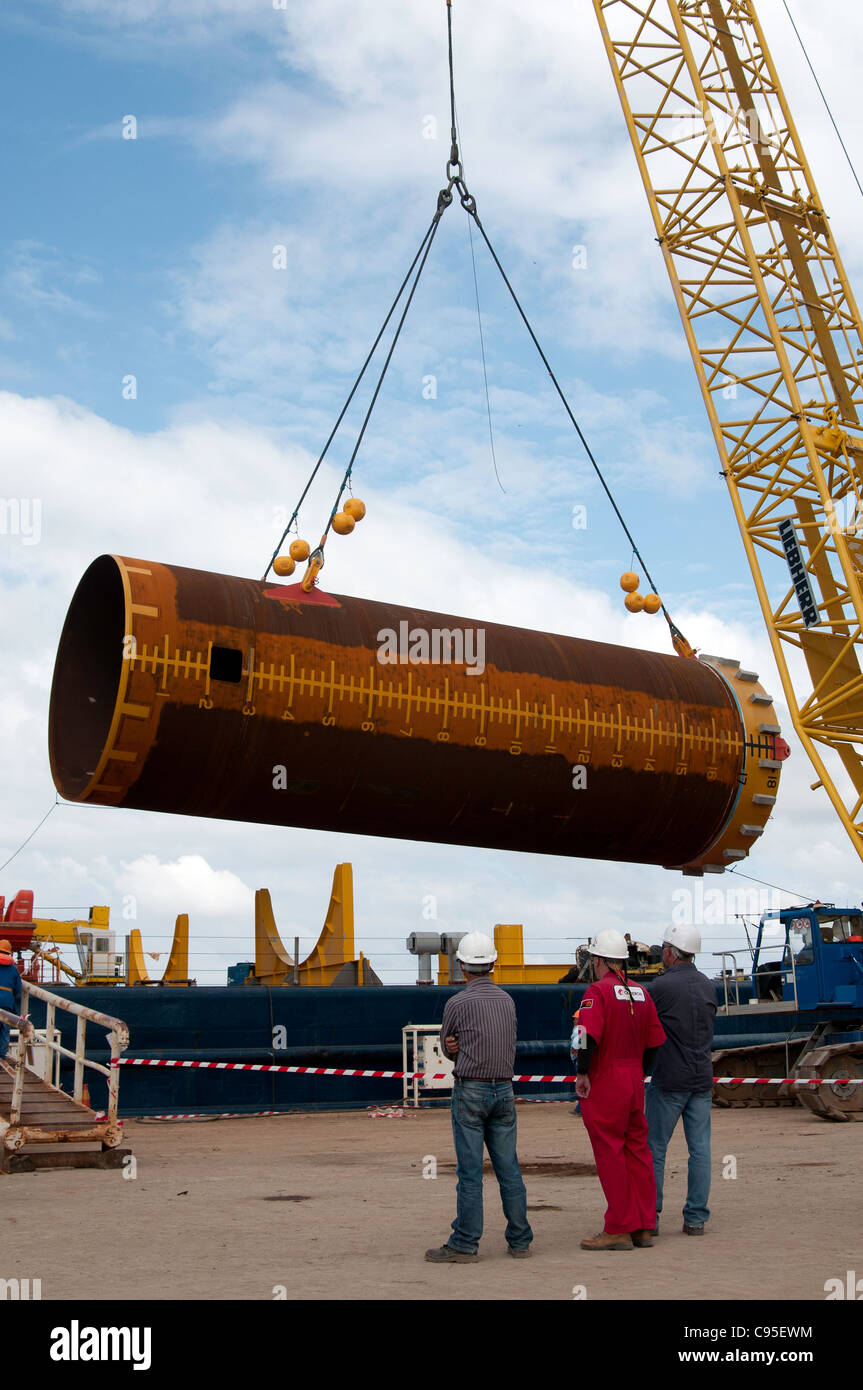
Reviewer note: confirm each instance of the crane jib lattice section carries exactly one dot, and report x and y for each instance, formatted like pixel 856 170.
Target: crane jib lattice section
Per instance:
pixel 774 333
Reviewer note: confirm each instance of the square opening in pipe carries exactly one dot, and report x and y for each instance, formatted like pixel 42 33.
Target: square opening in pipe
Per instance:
pixel 226 664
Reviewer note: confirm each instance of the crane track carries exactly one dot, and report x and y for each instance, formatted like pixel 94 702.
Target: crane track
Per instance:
pixel 843 1061
pixel 768 1059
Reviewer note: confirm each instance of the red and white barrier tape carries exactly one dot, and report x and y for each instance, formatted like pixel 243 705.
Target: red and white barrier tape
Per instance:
pixel 546 1100
pixel 441 1076
pixel 225 1115
pixel 787 1081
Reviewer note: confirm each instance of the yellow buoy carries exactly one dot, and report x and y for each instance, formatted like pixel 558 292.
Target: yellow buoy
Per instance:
pixel 629 582
pixel 343 523
pixel 284 565
pixel 652 603
pixel 355 508
pixel 635 602
pixel 299 550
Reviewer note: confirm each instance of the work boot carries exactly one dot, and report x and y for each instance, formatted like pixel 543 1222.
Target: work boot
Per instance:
pixel 445 1255
pixel 692 1230
pixel 606 1240
pixel 519 1252
pixel 642 1238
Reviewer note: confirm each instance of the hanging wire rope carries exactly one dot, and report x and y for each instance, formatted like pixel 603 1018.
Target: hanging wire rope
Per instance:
pixel 428 246
pixel 801 897
pixel 482 350
pixel 456 184
pixel 484 367
pixel 423 244
pixel 30 836
pixel 823 97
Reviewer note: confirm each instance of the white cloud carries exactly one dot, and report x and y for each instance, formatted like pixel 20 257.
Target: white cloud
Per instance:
pixel 188 880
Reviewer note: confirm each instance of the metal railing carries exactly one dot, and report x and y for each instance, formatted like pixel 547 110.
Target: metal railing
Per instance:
pixel 118 1038
pixel 734 972
pixel 786 973
pixel 25 1034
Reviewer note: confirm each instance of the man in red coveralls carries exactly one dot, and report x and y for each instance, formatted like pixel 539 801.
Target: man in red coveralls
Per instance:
pixel 616 1040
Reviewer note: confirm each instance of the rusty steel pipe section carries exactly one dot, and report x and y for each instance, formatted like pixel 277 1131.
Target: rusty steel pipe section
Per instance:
pixel 202 694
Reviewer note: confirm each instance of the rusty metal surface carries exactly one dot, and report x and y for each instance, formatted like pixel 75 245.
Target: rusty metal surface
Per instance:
pixel 180 691
pixel 14 1021
pixel 114 1025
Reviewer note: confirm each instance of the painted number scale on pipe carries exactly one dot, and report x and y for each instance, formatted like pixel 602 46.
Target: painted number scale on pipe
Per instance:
pixel 481 711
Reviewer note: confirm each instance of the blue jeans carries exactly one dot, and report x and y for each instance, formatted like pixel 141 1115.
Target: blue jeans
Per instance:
pixel 483 1114
pixel 663 1109
pixel 4 1038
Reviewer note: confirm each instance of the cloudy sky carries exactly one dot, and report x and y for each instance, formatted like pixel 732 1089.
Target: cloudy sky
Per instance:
pixel 323 129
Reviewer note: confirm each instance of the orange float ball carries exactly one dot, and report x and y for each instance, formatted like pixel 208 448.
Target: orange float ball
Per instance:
pixel 343 523
pixel 635 602
pixel 652 603
pixel 629 582
pixel 284 565
pixel 299 550
pixel 355 508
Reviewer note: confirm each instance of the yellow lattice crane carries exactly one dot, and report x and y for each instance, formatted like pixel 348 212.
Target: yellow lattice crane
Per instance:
pixel 775 336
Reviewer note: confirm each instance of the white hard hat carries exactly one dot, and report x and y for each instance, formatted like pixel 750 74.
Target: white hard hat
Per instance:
pixel 609 944
pixel 685 938
pixel 476 949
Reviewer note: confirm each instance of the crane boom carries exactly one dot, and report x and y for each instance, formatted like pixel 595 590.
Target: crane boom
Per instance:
pixel 775 336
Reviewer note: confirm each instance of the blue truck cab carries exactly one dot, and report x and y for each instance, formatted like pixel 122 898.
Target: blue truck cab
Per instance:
pixel 820 963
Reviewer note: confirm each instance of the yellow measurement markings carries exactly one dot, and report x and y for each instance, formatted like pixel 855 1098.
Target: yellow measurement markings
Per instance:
pixel 479 705
pixel 371 692
pixel 136 711
pixel 409 698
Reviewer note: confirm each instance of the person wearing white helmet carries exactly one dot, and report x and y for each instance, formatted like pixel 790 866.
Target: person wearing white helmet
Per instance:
pixel 478 1031
pixel 682 1080
pixel 616 1038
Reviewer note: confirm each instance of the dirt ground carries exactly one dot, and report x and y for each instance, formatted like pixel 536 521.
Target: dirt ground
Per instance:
pixel 335 1206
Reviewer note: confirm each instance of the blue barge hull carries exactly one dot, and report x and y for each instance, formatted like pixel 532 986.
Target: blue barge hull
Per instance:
pixel 323 1027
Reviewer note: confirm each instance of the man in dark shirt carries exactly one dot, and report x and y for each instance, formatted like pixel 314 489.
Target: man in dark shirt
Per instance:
pixel 478 1032
pixel 682 1080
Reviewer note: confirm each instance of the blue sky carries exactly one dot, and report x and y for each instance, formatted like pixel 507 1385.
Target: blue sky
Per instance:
pixel 153 257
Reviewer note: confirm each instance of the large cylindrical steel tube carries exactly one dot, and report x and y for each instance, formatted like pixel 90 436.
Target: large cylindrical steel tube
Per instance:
pixel 207 695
